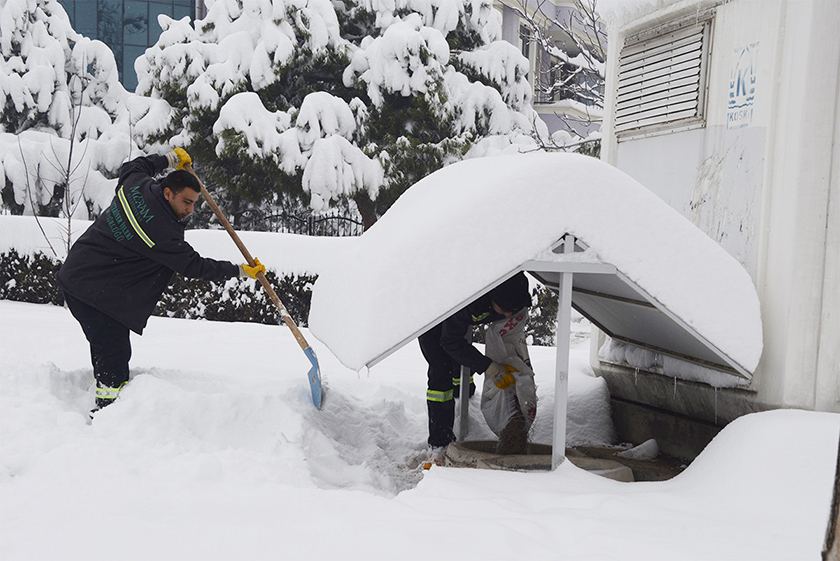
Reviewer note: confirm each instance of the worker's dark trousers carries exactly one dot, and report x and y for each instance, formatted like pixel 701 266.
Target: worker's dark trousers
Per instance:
pixel 110 349
pixel 440 393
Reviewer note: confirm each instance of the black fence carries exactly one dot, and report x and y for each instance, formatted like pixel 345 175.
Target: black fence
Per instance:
pixel 334 225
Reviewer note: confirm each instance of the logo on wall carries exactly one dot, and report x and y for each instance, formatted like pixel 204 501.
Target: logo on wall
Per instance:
pixel 739 110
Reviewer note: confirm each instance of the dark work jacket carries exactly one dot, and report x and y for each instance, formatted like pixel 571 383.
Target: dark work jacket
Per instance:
pixel 454 331
pixel 123 262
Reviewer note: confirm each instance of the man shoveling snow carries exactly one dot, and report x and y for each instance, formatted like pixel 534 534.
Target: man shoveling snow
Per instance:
pixel 116 272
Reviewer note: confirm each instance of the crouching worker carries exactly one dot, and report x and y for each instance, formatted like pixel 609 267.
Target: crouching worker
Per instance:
pixel 117 270
pixel 446 349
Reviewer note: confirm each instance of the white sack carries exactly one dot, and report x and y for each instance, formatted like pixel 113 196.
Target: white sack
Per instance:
pixel 505 343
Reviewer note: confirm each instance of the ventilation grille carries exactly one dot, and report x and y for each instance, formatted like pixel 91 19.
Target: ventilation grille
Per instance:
pixel 661 80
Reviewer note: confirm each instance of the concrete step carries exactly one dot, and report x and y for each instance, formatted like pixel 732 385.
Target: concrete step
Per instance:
pixel 480 454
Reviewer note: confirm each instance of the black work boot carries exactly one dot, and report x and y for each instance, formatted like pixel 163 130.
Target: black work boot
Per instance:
pixel 105 396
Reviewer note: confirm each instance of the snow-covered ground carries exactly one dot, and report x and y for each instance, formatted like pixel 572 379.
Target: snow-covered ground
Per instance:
pixel 214 451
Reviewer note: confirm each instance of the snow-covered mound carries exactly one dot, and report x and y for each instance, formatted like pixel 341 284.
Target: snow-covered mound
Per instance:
pixel 214 451
pixel 459 230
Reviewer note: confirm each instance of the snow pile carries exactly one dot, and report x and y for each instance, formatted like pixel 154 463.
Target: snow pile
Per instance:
pixel 647 450
pixel 256 427
pixel 457 232
pixel 618 13
pixel 208 452
pixel 619 352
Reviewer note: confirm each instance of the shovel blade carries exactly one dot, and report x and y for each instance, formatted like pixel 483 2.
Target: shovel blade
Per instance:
pixel 314 376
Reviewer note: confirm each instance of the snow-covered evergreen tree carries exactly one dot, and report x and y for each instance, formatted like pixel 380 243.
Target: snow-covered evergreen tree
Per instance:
pixel 328 102
pixel 65 119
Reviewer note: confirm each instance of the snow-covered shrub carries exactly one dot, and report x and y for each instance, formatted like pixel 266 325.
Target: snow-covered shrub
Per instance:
pixel 237 300
pixel 31 278
pixel 542 321
pixel 334 103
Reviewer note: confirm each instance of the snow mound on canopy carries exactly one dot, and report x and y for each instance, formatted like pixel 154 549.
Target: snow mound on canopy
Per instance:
pixel 460 230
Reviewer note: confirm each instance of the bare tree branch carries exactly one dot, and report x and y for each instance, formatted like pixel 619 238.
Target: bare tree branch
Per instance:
pixel 580 77
pixel 84 153
pixel 56 165
pixel 81 198
pixel 31 202
pixel 576 75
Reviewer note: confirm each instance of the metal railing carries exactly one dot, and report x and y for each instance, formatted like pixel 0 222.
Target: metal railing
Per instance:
pixel 334 225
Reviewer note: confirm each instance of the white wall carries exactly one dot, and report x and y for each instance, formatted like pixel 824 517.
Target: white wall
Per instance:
pixel 796 221
pixel 765 188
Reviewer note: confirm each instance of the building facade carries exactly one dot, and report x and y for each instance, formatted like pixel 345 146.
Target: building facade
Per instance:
pixel 567 97
pixel 128 27
pixel 730 112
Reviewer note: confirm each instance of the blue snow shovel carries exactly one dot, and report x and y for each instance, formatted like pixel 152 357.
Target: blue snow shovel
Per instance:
pixel 314 374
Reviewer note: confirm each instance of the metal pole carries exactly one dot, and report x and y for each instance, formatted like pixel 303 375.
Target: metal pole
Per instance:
pixel 465 397
pixel 561 385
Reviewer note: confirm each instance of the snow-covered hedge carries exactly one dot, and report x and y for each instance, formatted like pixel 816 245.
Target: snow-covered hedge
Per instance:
pixel 31 278
pixel 236 300
pixel 28 266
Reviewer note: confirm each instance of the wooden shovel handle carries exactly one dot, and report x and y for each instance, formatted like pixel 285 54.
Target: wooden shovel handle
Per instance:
pixel 284 313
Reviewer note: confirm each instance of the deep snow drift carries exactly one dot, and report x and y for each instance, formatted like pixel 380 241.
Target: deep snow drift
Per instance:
pixel 214 451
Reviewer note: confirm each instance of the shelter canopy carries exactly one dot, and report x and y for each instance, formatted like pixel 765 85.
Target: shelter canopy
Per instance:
pixel 461 231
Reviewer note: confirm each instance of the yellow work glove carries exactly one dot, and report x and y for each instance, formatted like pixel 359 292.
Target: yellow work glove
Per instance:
pixel 246 270
pixel 501 375
pixel 178 158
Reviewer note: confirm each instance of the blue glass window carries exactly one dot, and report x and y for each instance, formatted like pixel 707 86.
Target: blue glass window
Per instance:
pixel 128 27
pixel 155 9
pixel 136 23
pixel 131 54
pixel 109 26
pixel 182 10
pixel 86 18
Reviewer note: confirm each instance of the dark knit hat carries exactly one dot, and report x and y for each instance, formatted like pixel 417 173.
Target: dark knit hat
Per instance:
pixel 512 295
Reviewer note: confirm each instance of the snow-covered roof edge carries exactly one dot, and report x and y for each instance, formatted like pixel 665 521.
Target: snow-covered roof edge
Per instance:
pixel 464 228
